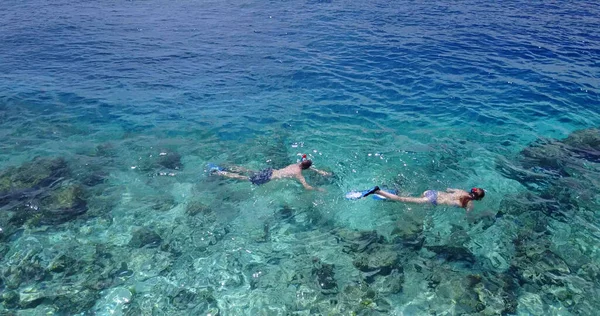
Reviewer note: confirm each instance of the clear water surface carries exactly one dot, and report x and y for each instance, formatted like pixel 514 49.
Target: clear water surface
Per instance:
pixel 125 102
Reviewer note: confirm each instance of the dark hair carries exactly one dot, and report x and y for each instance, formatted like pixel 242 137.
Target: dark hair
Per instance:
pixel 477 193
pixel 305 164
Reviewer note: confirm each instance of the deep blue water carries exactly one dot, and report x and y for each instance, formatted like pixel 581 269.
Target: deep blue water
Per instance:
pixel 415 95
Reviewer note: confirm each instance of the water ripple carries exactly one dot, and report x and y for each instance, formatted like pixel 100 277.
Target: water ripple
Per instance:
pixel 400 92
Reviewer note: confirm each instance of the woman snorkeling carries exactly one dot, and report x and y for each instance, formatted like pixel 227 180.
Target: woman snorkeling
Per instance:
pixel 452 197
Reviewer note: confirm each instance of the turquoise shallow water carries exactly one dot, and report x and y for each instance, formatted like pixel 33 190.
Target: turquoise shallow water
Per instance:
pixel 109 113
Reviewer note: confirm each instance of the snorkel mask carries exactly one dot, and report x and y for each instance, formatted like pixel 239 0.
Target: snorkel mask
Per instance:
pixel 305 163
pixel 475 194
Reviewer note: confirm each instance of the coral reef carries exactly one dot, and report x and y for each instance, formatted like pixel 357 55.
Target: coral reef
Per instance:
pixel 40 192
pixel 82 240
pixel 143 237
pixel 549 264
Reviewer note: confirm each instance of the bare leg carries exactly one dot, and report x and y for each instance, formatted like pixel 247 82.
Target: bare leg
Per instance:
pixel 232 175
pixel 238 169
pixel 420 200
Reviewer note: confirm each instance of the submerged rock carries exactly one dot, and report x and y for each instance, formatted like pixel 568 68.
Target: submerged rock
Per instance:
pixel 380 260
pixel 590 272
pixel 272 147
pixel 546 163
pixel 114 302
pixel 586 143
pixel 325 276
pixel 107 150
pixel 409 234
pixel 42 292
pixel 41 172
pixel 193 300
pixel 542 268
pixel 392 283
pixel 61 263
pixel 194 208
pixel 152 161
pixel 10 222
pixel 94 178
pixel 31 297
pixel 286 213
pixel 161 203
pixel 184 300
pixel 531 304
pixel 357 242
pixel 76 302
pixel 63 204
pixel 40 192
pixel 4 248
pixel 533 211
pixel 144 236
pixel 453 252
pixel 170 160
pixel 10 299
pixel 539 270
pixel 24 265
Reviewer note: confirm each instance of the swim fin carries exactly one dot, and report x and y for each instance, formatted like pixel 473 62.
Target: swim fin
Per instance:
pixel 355 195
pixel 381 197
pixel 211 167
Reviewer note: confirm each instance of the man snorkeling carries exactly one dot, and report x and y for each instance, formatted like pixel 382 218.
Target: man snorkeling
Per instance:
pixel 261 177
pixel 452 197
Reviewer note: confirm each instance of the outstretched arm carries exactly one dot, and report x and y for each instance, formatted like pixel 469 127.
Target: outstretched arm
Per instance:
pixel 305 184
pixel 449 190
pixel 321 172
pixel 469 206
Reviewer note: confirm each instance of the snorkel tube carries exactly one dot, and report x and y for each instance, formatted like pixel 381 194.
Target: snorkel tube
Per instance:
pixel 305 163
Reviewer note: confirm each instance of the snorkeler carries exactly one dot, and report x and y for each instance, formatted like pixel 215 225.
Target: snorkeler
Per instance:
pixel 266 175
pixel 452 197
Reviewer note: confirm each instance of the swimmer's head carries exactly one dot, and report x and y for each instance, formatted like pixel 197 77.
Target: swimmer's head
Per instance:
pixel 477 193
pixel 305 163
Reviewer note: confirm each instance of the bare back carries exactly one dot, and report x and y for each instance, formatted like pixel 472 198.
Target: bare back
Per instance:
pixel 454 197
pixel 291 171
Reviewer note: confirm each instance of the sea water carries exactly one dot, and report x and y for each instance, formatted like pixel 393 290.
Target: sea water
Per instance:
pixel 110 112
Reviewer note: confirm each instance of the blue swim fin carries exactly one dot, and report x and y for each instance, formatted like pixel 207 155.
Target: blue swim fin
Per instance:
pixel 379 197
pixel 211 167
pixel 355 195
